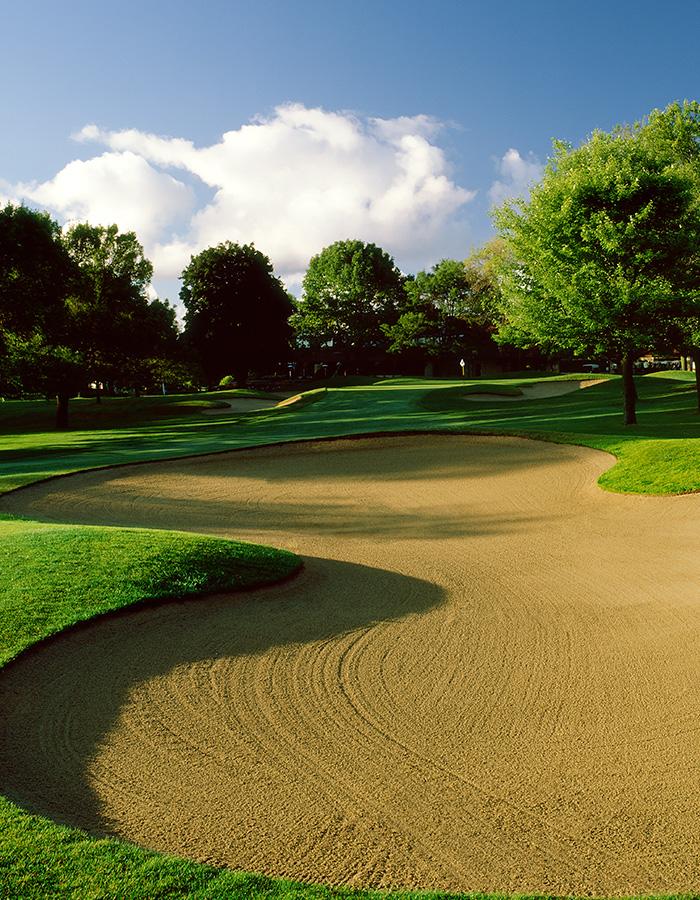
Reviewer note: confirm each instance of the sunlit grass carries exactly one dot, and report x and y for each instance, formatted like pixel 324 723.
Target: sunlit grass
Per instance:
pixel 593 417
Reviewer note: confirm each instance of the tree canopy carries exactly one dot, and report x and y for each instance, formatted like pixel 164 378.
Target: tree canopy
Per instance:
pixel 237 311
pixel 447 312
pixel 350 290
pixel 35 271
pixel 109 305
pixel 604 250
pixel 36 276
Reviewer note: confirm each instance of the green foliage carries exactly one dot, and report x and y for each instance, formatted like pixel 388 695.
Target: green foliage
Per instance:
pixel 603 257
pixel 112 321
pixel 674 134
pixel 35 273
pixel 605 248
pixel 74 307
pixel 111 262
pixel 36 335
pixel 350 290
pixel 237 311
pixel 448 310
pixel 46 368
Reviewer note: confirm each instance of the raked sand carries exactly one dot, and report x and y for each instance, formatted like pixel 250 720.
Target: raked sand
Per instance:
pixel 486 678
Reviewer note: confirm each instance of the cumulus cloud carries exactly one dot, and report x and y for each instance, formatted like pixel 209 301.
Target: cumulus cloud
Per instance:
pixel 294 182
pixel 121 188
pixel 291 183
pixel 517 175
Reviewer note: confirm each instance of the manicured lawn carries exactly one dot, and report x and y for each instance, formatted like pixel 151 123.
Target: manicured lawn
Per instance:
pixel 659 455
pixel 55 575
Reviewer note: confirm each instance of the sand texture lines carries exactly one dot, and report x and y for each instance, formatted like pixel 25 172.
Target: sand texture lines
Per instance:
pixel 486 677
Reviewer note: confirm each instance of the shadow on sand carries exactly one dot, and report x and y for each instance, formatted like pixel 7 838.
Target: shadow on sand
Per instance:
pixel 60 700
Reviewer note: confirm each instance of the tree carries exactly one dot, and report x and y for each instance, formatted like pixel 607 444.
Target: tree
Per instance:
pixel 109 306
pixel 155 349
pixel 349 291
pixel 35 270
pixel 237 311
pixel 49 368
pixel 674 135
pixel 36 277
pixel 448 311
pixel 605 250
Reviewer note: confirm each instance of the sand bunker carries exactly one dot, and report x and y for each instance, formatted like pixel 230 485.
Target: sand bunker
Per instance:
pixel 486 678
pixel 540 391
pixel 241 404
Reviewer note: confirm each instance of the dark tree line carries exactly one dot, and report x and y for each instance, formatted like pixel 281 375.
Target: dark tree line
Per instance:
pixel 74 308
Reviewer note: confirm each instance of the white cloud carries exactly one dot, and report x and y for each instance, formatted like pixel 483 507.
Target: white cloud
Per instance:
pixel 119 188
pixel 291 183
pixel 517 175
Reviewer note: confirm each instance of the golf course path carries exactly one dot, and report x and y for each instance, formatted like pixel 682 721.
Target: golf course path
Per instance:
pixel 485 678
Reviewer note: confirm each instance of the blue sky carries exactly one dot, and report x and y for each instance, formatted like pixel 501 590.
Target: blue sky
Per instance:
pixel 499 77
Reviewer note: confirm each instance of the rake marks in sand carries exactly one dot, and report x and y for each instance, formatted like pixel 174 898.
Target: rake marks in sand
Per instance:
pixel 485 678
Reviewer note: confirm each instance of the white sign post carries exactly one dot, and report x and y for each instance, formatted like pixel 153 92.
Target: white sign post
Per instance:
pixel 462 364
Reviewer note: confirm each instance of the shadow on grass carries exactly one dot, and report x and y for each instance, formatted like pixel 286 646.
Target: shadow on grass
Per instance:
pixel 666 410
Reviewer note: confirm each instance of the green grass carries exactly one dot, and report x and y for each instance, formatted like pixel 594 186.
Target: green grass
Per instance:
pixel 659 455
pixel 56 575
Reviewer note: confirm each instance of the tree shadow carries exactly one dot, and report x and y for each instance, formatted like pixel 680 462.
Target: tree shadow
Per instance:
pixel 60 699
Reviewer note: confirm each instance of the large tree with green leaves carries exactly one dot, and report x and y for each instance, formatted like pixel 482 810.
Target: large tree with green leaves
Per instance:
pixel 350 290
pixel 447 313
pixel 109 305
pixel 35 271
pixel 237 311
pixel 605 251
pixel 674 135
pixel 37 276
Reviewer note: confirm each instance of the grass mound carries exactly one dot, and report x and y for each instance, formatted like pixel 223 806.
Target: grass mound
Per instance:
pixel 55 576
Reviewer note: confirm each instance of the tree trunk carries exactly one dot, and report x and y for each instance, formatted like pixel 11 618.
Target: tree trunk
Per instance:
pixel 241 376
pixel 98 393
pixel 695 356
pixel 62 398
pixel 629 392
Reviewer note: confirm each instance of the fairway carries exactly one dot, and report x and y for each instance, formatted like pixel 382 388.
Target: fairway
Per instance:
pixel 485 678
